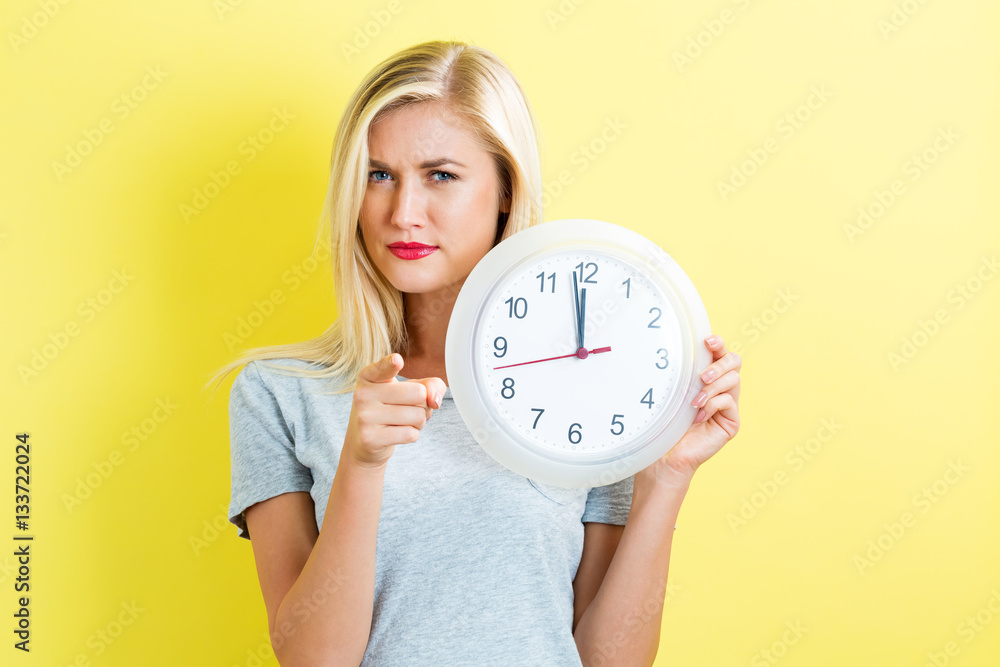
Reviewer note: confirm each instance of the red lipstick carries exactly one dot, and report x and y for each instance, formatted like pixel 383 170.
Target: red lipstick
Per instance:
pixel 411 250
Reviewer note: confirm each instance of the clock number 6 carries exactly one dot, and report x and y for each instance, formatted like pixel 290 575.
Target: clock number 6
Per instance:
pixel 510 388
pixel 579 436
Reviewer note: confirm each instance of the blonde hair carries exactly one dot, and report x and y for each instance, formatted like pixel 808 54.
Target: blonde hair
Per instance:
pixel 479 88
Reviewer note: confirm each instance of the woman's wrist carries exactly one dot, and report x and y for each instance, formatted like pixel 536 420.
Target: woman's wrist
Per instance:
pixel 658 493
pixel 662 475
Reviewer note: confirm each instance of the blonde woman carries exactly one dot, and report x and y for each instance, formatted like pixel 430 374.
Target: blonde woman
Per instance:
pixel 431 553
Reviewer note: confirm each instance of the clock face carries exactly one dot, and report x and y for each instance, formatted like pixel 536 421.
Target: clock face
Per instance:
pixel 566 403
pixel 571 352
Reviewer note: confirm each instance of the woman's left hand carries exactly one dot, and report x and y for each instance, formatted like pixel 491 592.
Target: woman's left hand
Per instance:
pixel 716 423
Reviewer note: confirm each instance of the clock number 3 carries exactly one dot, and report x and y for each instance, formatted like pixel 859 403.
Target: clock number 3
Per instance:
pixel 663 357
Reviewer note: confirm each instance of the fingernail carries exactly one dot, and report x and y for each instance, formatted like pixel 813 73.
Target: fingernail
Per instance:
pixel 699 399
pixel 437 399
pixel 700 417
pixel 708 375
pixel 712 340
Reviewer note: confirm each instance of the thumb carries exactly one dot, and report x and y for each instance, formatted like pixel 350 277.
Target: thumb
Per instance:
pixel 383 370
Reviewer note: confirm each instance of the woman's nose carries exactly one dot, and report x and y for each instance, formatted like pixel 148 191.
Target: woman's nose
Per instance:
pixel 409 205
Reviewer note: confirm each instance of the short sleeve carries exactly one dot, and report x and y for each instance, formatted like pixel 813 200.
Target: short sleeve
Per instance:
pixel 262 448
pixel 609 504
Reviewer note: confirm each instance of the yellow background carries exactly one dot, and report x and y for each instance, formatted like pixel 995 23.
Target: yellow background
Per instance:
pixel 817 312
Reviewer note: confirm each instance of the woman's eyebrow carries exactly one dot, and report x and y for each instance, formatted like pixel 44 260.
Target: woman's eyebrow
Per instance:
pixel 428 164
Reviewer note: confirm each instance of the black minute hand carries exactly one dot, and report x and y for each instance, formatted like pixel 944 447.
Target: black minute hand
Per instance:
pixel 576 302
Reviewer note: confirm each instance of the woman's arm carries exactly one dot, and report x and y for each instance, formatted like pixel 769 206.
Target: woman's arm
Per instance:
pixel 621 626
pixel 327 610
pixel 321 611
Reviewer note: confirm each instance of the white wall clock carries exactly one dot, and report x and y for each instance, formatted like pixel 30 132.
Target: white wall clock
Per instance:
pixel 573 352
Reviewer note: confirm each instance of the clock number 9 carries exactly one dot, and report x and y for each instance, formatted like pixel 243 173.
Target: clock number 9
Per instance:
pixel 515 307
pixel 617 422
pixel 510 388
pixel 501 349
pixel 663 358
pixel 579 436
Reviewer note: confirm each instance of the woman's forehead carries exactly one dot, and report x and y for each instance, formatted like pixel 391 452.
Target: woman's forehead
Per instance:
pixel 422 130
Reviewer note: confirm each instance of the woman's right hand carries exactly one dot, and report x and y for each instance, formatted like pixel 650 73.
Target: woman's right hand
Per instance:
pixel 387 412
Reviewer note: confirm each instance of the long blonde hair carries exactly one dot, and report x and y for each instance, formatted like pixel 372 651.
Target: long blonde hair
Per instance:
pixel 483 92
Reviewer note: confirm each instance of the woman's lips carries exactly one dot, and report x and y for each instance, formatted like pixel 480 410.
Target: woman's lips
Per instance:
pixel 411 250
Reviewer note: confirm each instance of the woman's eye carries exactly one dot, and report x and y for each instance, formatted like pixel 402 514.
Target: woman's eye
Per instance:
pixel 449 175
pixel 376 171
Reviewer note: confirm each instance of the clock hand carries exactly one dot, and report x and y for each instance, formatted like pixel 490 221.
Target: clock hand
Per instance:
pixel 583 315
pixel 576 301
pixel 581 353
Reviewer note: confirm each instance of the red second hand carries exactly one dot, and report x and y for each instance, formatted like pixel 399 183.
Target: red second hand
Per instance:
pixel 565 356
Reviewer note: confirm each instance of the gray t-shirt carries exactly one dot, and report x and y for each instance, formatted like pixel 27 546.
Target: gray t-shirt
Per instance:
pixel 474 564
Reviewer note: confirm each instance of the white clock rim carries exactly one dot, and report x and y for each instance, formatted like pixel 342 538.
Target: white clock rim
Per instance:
pixel 459 345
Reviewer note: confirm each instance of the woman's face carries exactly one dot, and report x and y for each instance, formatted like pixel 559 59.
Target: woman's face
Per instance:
pixel 429 182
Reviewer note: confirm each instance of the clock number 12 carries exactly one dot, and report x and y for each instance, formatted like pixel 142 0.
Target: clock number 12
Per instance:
pixel 589 275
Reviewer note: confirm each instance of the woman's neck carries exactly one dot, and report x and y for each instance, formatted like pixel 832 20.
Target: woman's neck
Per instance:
pixel 426 320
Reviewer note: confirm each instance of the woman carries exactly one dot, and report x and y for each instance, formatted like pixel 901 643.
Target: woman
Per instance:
pixel 431 552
